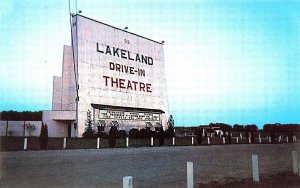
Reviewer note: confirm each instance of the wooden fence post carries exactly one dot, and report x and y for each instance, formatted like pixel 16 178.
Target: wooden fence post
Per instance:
pixel 25 143
pixel 190 175
pixel 255 170
pixel 98 143
pixel 127 182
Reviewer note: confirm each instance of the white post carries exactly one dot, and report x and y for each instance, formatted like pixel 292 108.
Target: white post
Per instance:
pixel 203 133
pixel 255 171
pixel 25 143
pixel 223 140
pixel 287 139
pixel 249 140
pixel 127 182
pixel 65 143
pixel 279 139
pixel 190 175
pixel 94 119
pixel 192 140
pixel 151 141
pixel 127 141
pixel 259 138
pixel 241 136
pixel 173 141
pixel 208 140
pixel 98 143
pixel 295 162
pixel 237 140
pixel 294 138
pixel 269 139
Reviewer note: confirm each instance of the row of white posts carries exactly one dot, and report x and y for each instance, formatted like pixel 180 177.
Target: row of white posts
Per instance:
pixel 64 144
pixel 127 142
pixel 173 141
pixel 127 180
pixel 98 142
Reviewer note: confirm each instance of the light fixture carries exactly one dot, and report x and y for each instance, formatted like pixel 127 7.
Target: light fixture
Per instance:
pixel 162 42
pixel 125 28
pixel 80 11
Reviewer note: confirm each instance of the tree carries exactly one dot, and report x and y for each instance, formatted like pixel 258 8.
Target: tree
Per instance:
pixel 161 136
pixel 29 128
pixel 89 131
pixel 251 128
pixel 43 136
pixel 237 127
pixel 199 135
pixel 170 131
pixel 229 137
pixel 21 116
pixel 223 126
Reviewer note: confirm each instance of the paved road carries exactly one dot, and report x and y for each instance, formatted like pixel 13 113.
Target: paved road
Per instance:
pixel 150 167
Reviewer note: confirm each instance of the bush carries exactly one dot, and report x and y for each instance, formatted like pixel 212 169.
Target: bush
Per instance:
pixel 133 133
pixel 102 135
pixel 113 133
pixel 122 134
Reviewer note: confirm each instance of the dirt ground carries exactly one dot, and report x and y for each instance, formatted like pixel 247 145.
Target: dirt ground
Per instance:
pixel 281 180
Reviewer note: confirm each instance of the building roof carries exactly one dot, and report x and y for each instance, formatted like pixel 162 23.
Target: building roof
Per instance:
pixel 105 107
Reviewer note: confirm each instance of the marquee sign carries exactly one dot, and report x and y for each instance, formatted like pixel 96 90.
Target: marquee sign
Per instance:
pixel 126 115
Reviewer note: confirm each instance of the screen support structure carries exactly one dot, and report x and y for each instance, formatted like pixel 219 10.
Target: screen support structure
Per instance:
pixel 75 68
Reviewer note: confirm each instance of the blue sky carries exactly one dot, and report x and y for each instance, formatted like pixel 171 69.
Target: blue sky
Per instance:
pixel 226 61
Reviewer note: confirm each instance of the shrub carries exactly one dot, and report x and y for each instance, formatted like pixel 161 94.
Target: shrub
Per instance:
pixel 122 134
pixel 161 136
pixel 113 133
pixel 102 135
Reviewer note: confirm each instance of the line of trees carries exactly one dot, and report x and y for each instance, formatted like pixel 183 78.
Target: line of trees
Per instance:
pixel 279 128
pixel 270 128
pixel 21 116
pixel 236 127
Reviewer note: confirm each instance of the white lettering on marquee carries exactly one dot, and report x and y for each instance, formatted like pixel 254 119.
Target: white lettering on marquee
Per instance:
pixel 126 115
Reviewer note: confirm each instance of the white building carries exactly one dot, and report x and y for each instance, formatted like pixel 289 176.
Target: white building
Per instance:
pixel 120 78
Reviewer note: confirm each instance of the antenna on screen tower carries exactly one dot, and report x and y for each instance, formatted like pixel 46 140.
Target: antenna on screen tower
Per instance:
pixel 76 6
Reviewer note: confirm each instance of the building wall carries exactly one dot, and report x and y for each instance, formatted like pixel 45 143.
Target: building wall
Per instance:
pixel 17 128
pixel 68 80
pixel 57 91
pixel 63 102
pixel 57 122
pixel 88 36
